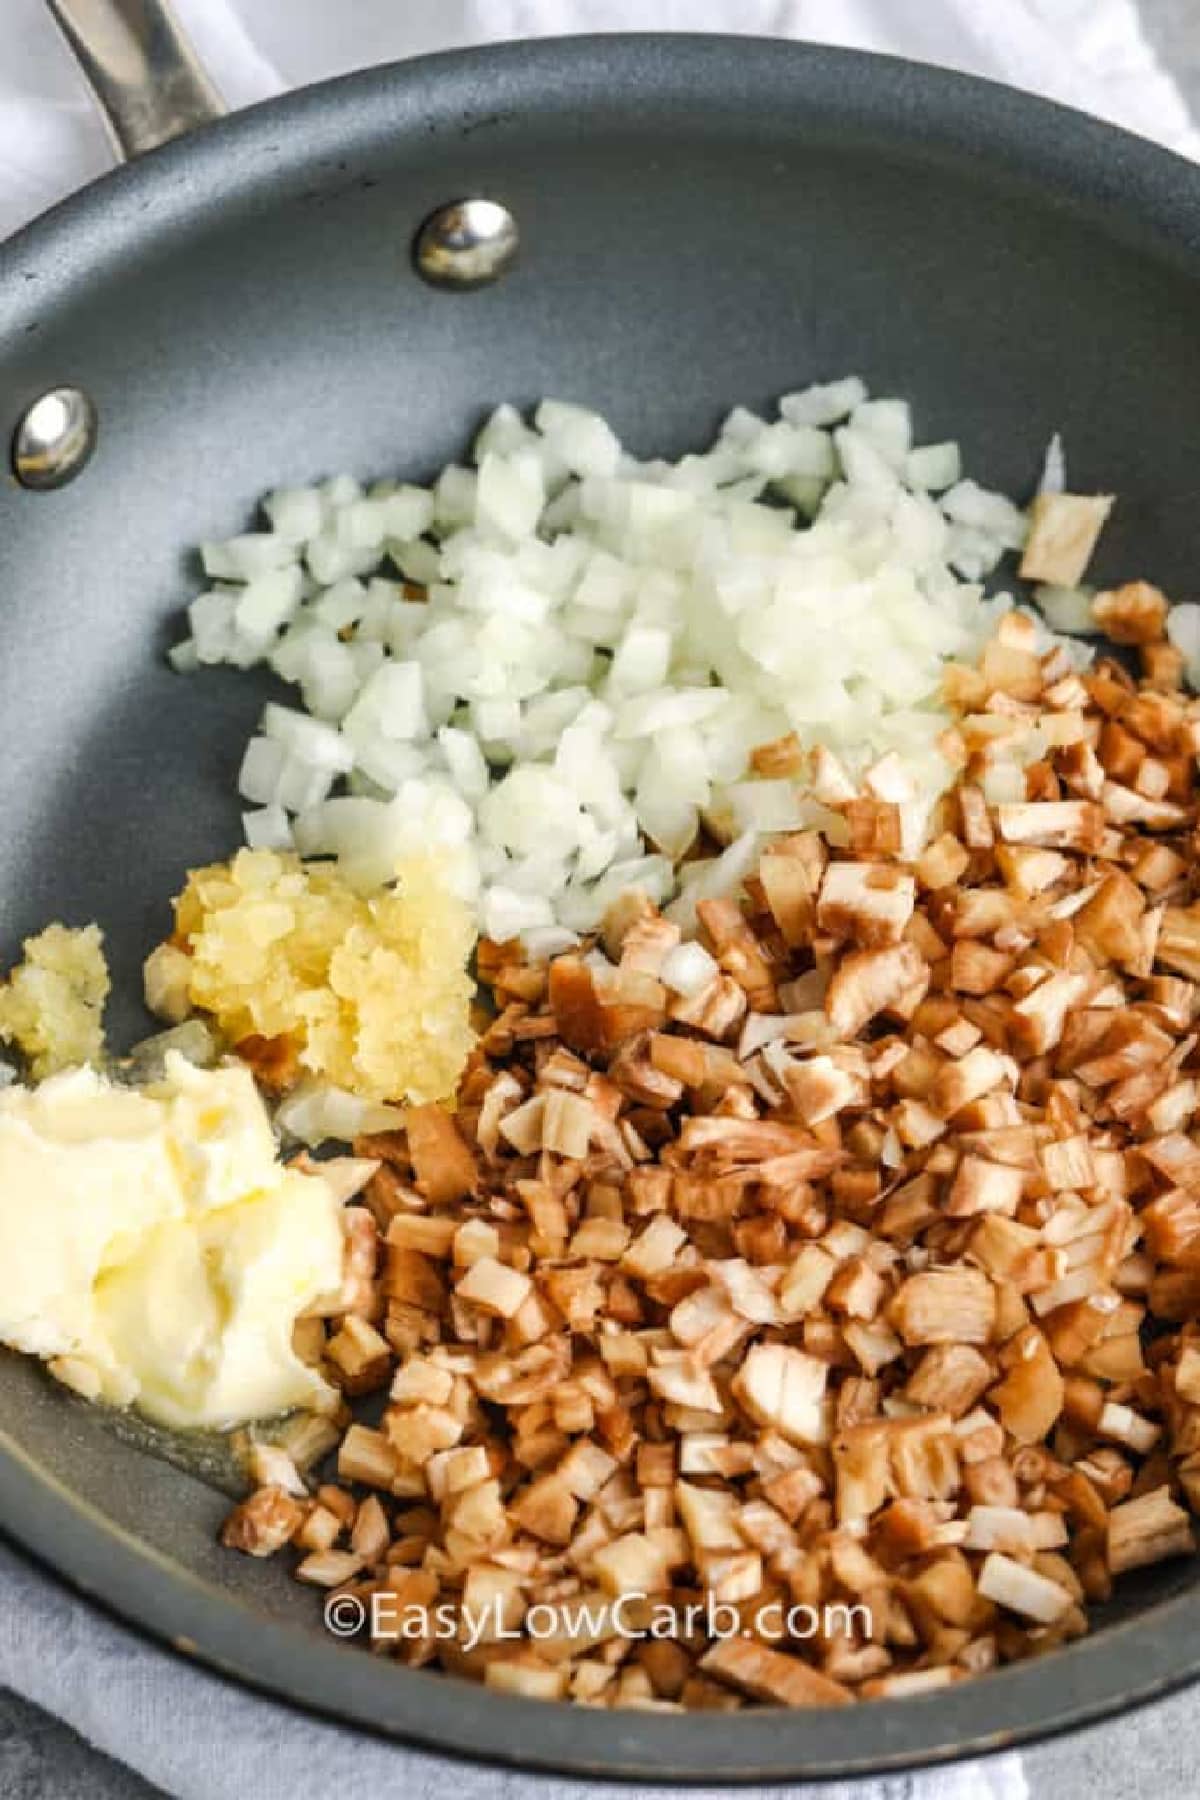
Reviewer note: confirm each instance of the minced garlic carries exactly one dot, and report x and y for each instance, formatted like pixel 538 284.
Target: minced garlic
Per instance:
pixel 370 991
pixel 52 1005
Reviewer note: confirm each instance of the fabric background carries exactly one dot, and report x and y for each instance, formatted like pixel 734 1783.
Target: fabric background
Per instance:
pixel 1085 53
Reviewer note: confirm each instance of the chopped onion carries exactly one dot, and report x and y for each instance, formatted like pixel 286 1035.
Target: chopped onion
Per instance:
pixel 296 514
pixel 934 467
pixel 314 1111
pixel 192 1040
pixel 594 645
pixel 242 558
pixel 1066 609
pixel 1054 468
pixel 505 914
pixel 1183 629
pixel 267 828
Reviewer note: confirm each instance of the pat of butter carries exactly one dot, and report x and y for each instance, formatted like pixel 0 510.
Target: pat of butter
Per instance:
pixel 153 1236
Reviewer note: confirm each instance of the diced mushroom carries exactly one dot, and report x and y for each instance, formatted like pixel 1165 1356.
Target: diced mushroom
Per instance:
pixel 1022 1590
pixel 869 902
pixel 771 1675
pixel 949 1378
pixel 1062 536
pixel 708 1516
pixel 443 1167
pixel 366 1455
pixel 945 1306
pixel 495 1288
pixel 1030 1398
pixel 631 1565
pixel 868 982
pixel 1147 1530
pixel 262 1524
pixel 1133 614
pixel 1053 824
pixel 970 1078
pixel 655 1249
pixel 820 1088
pixel 785 1388
pixel 858 1252
pixel 981 1186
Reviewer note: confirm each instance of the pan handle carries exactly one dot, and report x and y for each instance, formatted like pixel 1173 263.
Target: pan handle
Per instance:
pixel 141 69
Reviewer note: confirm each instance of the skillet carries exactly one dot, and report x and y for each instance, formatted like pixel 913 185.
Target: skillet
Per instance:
pixel 701 221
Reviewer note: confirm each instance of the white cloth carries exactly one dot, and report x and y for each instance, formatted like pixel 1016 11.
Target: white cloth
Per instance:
pixel 152 1712
pixel 1085 53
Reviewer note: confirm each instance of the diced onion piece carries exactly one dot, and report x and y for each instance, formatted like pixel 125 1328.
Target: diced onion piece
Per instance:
pixel 933 467
pixel 1066 609
pixel 314 1112
pixel 450 646
pixel 267 828
pixel 309 740
pixel 242 558
pixel 1053 478
pixel 506 914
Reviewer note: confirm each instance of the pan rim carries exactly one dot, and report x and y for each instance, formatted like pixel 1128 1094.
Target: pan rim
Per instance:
pixel 1068 154
pixel 1016 1706
pixel 1154 196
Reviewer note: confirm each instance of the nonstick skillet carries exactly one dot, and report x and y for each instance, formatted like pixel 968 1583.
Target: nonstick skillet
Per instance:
pixel 675 224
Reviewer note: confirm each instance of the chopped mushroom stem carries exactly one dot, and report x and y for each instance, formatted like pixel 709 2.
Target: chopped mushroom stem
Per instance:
pixel 862 1269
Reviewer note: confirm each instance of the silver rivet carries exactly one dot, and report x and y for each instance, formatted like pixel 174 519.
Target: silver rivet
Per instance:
pixel 54 438
pixel 466 244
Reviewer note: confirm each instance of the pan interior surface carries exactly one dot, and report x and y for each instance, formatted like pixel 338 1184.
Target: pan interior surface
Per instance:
pixel 702 222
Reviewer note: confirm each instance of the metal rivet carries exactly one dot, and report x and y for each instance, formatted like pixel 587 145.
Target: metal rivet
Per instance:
pixel 54 439
pixel 466 244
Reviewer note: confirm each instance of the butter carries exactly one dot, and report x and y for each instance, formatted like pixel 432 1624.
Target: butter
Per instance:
pixel 153 1238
